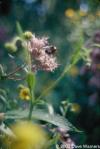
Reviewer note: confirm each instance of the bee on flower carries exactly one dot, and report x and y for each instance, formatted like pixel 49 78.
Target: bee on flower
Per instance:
pixel 42 53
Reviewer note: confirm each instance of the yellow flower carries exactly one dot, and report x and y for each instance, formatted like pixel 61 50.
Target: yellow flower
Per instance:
pixel 28 136
pixel 24 93
pixel 75 107
pixel 69 13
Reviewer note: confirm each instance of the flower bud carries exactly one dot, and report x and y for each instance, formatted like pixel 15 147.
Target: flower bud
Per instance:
pixel 11 47
pixel 27 35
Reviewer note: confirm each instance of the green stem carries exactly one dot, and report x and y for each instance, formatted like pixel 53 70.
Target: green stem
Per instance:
pixel 31 89
pixel 31 104
pixel 30 111
pixel 29 59
pixel 66 70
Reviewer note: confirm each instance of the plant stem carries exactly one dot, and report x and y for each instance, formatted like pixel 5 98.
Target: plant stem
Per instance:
pixel 31 90
pixel 66 70
pixel 31 104
pixel 30 110
pixel 16 70
pixel 29 59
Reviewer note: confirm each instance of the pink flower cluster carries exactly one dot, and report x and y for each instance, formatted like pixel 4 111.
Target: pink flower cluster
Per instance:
pixel 41 59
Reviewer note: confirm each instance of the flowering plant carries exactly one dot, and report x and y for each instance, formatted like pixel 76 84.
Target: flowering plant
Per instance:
pixel 36 55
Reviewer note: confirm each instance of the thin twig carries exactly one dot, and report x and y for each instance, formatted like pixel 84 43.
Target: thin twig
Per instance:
pixel 16 70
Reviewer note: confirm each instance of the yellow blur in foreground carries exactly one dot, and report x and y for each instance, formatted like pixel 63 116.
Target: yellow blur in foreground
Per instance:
pixel 28 136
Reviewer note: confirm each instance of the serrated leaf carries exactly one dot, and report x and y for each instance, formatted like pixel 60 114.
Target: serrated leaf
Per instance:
pixel 55 119
pixel 43 115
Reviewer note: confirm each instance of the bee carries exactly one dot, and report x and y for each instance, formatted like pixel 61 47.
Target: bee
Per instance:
pixel 50 50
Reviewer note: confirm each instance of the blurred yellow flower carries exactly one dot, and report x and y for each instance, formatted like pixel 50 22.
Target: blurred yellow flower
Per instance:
pixel 82 13
pixel 24 93
pixel 74 71
pixel 28 136
pixel 91 17
pixel 98 13
pixel 75 107
pixel 69 13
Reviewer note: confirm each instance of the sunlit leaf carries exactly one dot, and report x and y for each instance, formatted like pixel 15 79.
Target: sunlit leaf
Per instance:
pixel 43 115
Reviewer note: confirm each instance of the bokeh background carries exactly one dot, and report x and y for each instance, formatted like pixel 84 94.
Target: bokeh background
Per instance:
pixel 65 22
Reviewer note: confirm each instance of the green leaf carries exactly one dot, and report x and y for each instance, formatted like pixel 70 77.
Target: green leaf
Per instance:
pixel 1 70
pixel 19 29
pixel 3 97
pixel 55 119
pixel 31 80
pixel 43 115
pixel 6 130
